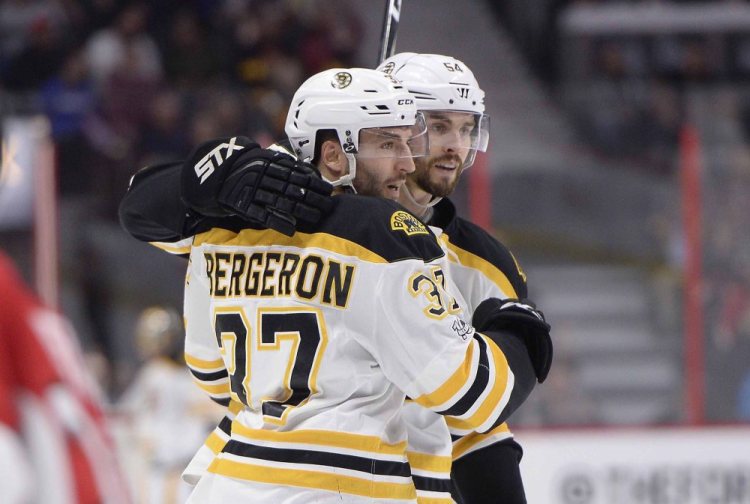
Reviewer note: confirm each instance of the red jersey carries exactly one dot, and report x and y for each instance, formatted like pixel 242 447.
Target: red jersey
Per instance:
pixel 53 434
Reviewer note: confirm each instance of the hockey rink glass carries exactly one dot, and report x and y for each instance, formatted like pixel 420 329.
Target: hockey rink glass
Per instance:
pixel 463 132
pixel 394 142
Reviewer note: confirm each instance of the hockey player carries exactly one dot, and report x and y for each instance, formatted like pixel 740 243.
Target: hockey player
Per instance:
pixel 55 446
pixel 212 269
pixel 446 91
pixel 274 321
pixel 482 266
pixel 168 417
pixel 446 88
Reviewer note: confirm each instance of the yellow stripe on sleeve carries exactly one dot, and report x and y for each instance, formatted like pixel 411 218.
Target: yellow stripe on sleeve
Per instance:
pixel 434 500
pixel 451 387
pixel 215 442
pixel 214 390
pixel 426 462
pixel 489 270
pixel 177 248
pixel 482 414
pixel 196 363
pixel 469 441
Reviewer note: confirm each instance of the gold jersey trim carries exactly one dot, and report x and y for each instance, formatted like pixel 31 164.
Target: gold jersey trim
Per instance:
pixel 427 462
pixel 177 248
pixel 500 383
pixel 313 479
pixel 333 439
pixel 473 261
pixel 452 385
pixel 202 364
pixel 468 442
pixel 215 442
pixel 434 500
pixel 269 237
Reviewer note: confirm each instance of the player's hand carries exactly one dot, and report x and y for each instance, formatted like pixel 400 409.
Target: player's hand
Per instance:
pixel 275 189
pixel 523 319
pixel 234 176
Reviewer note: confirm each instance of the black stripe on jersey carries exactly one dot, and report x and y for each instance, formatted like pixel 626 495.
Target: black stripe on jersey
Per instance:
pixel 524 378
pixel 209 377
pixel 295 456
pixel 431 484
pixel 226 425
pixel 480 384
pixel 223 402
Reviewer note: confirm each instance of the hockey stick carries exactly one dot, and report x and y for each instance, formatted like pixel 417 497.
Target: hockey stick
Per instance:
pixel 390 28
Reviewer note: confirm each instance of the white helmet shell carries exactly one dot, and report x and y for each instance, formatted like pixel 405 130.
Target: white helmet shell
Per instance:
pixel 346 100
pixel 442 83
pixel 437 82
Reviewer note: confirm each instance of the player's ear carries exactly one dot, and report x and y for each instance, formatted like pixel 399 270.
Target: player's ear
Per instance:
pixel 333 161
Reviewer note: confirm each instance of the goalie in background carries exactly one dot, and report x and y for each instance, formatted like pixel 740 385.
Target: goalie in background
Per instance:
pixel 55 445
pixel 165 414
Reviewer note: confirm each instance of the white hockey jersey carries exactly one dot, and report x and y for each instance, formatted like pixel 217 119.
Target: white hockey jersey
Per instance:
pixel 480 267
pixel 320 336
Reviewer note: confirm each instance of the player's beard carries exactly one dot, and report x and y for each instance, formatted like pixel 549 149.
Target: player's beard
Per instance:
pixel 438 186
pixel 369 184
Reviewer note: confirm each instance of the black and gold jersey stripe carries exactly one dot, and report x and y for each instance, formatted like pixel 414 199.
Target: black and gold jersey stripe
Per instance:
pixel 359 226
pixel 477 249
pixel 327 460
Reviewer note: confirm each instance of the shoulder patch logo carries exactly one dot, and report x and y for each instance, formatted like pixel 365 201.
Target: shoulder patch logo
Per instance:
pixel 406 222
pixel 341 80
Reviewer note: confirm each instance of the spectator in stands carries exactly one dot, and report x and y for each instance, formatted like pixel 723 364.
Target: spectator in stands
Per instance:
pixel 164 136
pixel 39 60
pixel 190 58
pixel 69 100
pixel 167 415
pixel 109 48
pixel 19 19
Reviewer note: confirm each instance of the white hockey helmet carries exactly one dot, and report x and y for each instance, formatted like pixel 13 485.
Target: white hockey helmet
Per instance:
pixel 442 83
pixel 350 100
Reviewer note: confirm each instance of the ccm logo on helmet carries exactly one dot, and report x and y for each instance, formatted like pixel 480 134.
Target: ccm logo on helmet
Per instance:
pixel 405 101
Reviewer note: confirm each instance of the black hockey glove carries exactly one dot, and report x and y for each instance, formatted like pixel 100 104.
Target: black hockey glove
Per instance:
pixel 521 318
pixel 234 176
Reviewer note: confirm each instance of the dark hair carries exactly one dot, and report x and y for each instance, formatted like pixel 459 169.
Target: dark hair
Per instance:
pixel 322 136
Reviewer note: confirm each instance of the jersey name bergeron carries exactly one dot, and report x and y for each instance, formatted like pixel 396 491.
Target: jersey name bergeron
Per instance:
pixel 279 274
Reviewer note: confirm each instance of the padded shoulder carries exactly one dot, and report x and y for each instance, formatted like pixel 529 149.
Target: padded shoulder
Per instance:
pixel 467 236
pixel 373 229
pixel 383 227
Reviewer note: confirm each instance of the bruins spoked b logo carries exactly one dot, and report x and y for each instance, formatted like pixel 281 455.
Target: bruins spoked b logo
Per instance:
pixel 341 80
pixel 406 222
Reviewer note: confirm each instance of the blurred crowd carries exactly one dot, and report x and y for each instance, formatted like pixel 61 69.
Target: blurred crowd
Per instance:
pixel 126 83
pixel 650 88
pixel 727 289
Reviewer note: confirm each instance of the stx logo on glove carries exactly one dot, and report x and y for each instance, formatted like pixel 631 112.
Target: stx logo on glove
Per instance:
pixel 205 167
